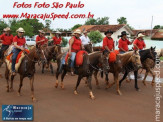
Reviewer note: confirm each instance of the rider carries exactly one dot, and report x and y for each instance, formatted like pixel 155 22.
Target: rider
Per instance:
pixel 57 40
pixel 139 43
pixel 6 40
pixel 74 46
pixel 41 39
pixel 124 42
pixel 85 39
pixel 19 45
pixel 108 43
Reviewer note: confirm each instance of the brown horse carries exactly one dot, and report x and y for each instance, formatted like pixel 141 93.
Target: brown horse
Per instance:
pixel 26 69
pixel 88 48
pixel 51 52
pixel 121 63
pixel 92 61
pixel 99 48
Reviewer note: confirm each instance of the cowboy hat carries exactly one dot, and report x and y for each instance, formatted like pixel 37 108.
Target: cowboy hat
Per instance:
pixel 20 30
pixel 124 33
pixel 58 32
pixel 140 35
pixel 41 31
pixel 7 29
pixel 4 29
pixel 77 32
pixel 108 31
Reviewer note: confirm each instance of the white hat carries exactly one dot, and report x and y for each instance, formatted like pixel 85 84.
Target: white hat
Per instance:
pixel 140 35
pixel 58 32
pixel 41 31
pixel 85 31
pixel 4 29
pixel 77 31
pixel 7 29
pixel 20 30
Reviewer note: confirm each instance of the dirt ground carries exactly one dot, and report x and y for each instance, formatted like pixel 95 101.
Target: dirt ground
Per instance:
pixel 57 105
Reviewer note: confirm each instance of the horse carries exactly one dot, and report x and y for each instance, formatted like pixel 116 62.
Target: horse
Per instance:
pixel 123 61
pixel 148 58
pixel 26 69
pixel 51 52
pixel 88 48
pixel 92 61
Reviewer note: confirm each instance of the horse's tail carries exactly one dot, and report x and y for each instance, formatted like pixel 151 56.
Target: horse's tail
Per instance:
pixel 102 75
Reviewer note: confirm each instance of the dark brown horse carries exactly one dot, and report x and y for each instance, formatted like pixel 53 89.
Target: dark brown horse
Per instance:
pixel 88 48
pixel 26 69
pixel 92 61
pixel 131 58
pixel 51 52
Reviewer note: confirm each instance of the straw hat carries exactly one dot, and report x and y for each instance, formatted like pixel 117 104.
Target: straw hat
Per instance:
pixel 20 30
pixel 77 31
pixel 140 35
pixel 7 29
pixel 58 32
pixel 85 32
pixel 41 31
pixel 4 29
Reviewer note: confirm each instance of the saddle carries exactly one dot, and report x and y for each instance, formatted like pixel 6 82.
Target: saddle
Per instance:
pixel 19 59
pixel 78 58
pixel 113 55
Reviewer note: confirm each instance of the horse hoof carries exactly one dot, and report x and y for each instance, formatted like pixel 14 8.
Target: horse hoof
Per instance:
pixel 137 89
pixel 75 92
pixel 92 97
pixel 119 93
pixel 153 84
pixel 56 85
pixel 62 87
pixel 7 90
pixel 19 94
pixel 34 99
pixel 144 83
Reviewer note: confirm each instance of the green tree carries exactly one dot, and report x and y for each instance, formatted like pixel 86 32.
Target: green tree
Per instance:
pixel 98 21
pixel 64 42
pixel 2 25
pixel 47 24
pixel 76 26
pixel 122 20
pixel 158 27
pixel 95 36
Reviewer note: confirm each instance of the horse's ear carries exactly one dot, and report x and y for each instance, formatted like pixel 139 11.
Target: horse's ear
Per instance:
pixel 151 48
pixel 154 48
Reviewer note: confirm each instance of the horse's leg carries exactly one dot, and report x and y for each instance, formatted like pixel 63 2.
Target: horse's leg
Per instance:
pixel 43 66
pixel 11 85
pixel 7 78
pixel 146 74
pixel 124 76
pixel 116 75
pixel 32 89
pixel 51 68
pixel 90 87
pixel 77 84
pixel 153 74
pixel 136 82
pixel 62 77
pixel 95 76
pixel 20 85
pixel 57 75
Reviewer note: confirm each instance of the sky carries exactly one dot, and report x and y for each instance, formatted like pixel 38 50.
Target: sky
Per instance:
pixel 138 12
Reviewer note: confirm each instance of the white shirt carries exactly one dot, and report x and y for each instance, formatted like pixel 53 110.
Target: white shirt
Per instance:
pixel 85 39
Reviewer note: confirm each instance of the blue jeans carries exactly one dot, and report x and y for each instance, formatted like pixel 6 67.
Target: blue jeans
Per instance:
pixel 121 52
pixel 73 54
pixel 14 56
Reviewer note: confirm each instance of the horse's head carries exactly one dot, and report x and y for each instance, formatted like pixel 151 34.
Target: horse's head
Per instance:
pixel 104 60
pixel 88 48
pixel 135 59
pixel 39 54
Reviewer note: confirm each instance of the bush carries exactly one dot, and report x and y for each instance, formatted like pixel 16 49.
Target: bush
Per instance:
pixel 64 42
pixel 95 36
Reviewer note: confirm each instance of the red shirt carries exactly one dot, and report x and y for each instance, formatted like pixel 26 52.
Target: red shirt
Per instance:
pixel 20 41
pixel 7 40
pixel 108 42
pixel 39 38
pixel 76 46
pixel 139 43
pixel 57 40
pixel 123 44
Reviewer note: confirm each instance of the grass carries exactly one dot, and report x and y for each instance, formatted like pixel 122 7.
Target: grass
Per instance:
pixel 161 58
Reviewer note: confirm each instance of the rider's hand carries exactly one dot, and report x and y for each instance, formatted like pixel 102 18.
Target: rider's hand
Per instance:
pixel 69 53
pixel 22 48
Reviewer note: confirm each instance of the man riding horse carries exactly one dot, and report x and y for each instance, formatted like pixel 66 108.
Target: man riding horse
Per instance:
pixel 139 43
pixel 108 43
pixel 75 45
pixel 6 39
pixel 41 39
pixel 19 45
